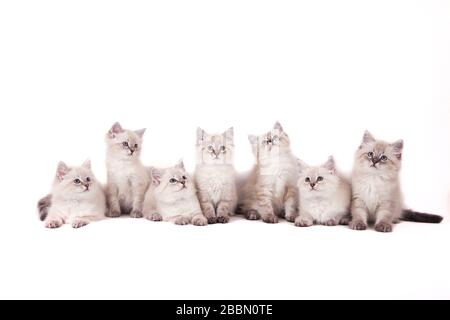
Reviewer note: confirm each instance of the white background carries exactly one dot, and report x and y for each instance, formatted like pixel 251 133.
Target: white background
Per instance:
pixel 326 69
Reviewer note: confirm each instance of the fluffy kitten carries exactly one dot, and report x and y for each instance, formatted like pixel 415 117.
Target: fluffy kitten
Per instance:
pixel 377 195
pixel 215 177
pixel 324 195
pixel 128 179
pixel 77 198
pixel 172 197
pixel 271 189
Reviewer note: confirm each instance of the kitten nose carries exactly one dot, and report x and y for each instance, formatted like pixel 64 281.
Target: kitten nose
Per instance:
pixel 312 185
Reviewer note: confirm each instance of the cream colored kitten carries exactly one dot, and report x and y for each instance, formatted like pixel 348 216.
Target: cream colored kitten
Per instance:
pixel 77 198
pixel 128 179
pixel 271 189
pixel 324 195
pixel 376 189
pixel 172 197
pixel 215 177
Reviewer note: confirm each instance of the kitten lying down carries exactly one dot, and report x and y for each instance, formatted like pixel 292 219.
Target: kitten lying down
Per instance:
pixel 77 198
pixel 172 197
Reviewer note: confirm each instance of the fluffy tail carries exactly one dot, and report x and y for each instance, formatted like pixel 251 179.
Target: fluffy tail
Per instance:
pixel 43 206
pixel 409 215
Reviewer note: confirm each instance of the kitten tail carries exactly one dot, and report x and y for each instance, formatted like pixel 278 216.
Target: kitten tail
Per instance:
pixel 409 215
pixel 43 205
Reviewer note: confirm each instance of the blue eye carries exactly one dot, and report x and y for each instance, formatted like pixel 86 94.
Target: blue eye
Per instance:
pixel 384 158
pixel 319 178
pixel 307 179
pixel 77 181
pixel 172 180
pixel 370 154
pixel 125 144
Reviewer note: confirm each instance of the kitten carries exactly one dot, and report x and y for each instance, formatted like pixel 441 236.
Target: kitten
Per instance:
pixel 77 198
pixel 128 179
pixel 377 195
pixel 324 195
pixel 215 177
pixel 172 197
pixel 271 189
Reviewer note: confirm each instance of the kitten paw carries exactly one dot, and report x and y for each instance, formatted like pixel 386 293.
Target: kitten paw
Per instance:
pixel 270 218
pixel 303 222
pixel 136 214
pixel 252 215
pixel 223 219
pixel 199 221
pixel 155 217
pixel 383 227
pixel 331 223
pixel 182 221
pixel 79 223
pixel 113 213
pixel 291 218
pixel 357 225
pixel 212 220
pixel 344 221
pixel 53 224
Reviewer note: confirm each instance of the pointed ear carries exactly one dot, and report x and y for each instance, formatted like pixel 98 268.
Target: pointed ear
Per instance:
pixel 330 165
pixel 61 170
pixel 115 129
pixel 367 137
pixel 253 139
pixel 87 164
pixel 301 165
pixel 140 132
pixel 397 147
pixel 156 175
pixel 277 126
pixel 180 164
pixel 200 135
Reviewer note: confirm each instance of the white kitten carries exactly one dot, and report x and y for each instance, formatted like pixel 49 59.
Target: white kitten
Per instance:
pixel 77 198
pixel 376 189
pixel 324 195
pixel 172 197
pixel 215 177
pixel 271 189
pixel 128 179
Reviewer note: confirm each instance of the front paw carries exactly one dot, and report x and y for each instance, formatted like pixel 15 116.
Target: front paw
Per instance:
pixel 53 223
pixel 344 221
pixel 270 218
pixel 199 220
pixel 223 219
pixel 113 213
pixel 181 221
pixel 136 213
pixel 79 223
pixel 212 220
pixel 383 227
pixel 303 222
pixel 252 215
pixel 155 217
pixel 291 217
pixel 330 223
pixel 357 225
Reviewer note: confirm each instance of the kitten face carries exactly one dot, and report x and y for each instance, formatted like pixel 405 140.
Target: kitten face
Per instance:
pixel 318 180
pixel 270 144
pixel 124 144
pixel 215 148
pixel 75 180
pixel 379 156
pixel 173 180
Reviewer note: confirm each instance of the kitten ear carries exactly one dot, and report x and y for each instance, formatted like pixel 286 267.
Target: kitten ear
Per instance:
pixel 61 170
pixel 330 165
pixel 253 139
pixel 301 165
pixel 115 129
pixel 140 132
pixel 156 175
pixel 200 135
pixel 397 147
pixel 87 164
pixel 277 126
pixel 180 164
pixel 367 137
pixel 229 135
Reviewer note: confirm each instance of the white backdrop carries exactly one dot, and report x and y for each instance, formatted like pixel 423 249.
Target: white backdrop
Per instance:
pixel 326 70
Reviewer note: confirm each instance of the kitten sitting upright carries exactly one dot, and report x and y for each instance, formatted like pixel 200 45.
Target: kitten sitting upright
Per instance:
pixel 376 189
pixel 172 197
pixel 128 179
pixel 215 177
pixel 271 189
pixel 324 195
pixel 77 198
